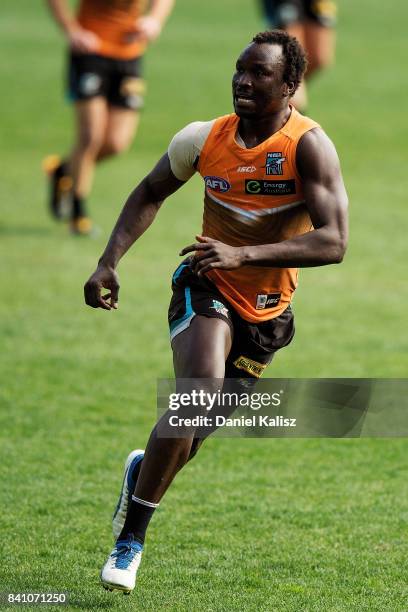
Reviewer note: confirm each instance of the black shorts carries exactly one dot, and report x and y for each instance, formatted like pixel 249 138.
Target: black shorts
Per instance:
pixel 119 81
pixel 253 345
pixel 282 13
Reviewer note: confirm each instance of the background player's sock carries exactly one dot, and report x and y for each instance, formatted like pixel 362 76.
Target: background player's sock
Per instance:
pixel 78 207
pixel 60 196
pixel 137 520
pixel 81 224
pixel 62 169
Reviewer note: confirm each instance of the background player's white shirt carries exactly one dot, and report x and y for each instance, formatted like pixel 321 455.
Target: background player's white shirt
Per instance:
pixel 186 147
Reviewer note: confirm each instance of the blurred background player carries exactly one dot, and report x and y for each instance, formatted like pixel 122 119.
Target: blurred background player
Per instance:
pixel 106 39
pixel 312 23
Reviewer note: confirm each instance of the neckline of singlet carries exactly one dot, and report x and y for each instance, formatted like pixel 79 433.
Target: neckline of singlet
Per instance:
pixel 238 141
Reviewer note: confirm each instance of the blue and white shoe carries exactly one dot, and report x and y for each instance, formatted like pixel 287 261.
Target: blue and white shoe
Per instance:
pixel 119 571
pixel 128 487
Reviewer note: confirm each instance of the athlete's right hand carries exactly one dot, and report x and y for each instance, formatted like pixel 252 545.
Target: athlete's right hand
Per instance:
pixel 104 277
pixel 82 41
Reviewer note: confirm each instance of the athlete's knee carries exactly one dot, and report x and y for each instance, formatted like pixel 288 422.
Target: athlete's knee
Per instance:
pixel 114 146
pixel 90 141
pixel 319 59
pixel 202 366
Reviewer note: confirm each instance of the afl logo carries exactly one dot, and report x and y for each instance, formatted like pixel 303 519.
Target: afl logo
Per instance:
pixel 217 183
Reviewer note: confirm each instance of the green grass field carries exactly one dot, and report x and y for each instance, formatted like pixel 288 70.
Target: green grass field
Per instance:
pixel 274 525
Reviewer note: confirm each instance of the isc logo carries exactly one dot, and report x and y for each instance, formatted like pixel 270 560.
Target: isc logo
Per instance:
pixel 216 183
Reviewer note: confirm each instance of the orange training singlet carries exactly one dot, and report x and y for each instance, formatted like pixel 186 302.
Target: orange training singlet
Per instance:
pixel 252 197
pixel 113 21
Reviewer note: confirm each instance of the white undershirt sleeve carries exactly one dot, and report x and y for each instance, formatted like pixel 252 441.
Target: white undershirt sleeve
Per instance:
pixel 186 147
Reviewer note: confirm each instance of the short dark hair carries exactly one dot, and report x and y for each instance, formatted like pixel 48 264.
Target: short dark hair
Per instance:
pixel 295 57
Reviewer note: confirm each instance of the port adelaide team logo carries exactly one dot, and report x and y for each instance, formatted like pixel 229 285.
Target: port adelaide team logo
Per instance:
pixel 274 163
pixel 220 308
pixel 216 183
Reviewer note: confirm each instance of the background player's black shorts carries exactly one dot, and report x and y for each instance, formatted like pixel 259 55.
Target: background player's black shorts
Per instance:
pixel 119 81
pixel 253 345
pixel 282 13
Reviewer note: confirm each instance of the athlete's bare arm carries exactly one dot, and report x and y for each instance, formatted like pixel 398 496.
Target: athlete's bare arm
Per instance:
pixel 151 24
pixel 137 215
pixel 79 39
pixel 326 201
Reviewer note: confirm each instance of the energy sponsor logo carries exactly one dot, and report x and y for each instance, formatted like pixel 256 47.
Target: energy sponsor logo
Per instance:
pixel 249 365
pixel 216 183
pixel 270 188
pixel 267 300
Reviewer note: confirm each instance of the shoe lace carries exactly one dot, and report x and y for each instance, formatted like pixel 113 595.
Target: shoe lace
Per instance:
pixel 124 554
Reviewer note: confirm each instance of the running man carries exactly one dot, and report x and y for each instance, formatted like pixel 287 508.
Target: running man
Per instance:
pixel 312 22
pixel 106 39
pixel 274 201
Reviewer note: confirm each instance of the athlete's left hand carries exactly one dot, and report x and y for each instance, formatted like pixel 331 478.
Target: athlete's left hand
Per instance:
pixel 210 254
pixel 148 28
